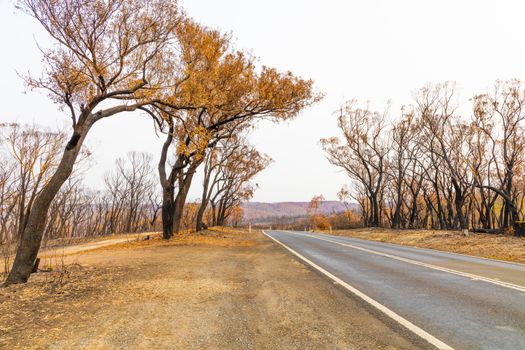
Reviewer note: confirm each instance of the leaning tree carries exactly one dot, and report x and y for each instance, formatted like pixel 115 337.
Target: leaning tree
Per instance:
pixel 108 57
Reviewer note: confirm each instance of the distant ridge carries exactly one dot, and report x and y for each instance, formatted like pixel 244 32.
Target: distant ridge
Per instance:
pixel 260 211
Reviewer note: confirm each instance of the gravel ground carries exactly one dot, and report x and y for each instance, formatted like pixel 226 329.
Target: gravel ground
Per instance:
pixel 218 291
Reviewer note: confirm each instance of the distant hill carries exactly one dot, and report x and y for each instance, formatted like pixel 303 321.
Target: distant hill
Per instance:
pixel 262 212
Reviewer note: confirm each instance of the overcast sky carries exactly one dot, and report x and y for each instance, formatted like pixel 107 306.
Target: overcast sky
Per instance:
pixel 369 50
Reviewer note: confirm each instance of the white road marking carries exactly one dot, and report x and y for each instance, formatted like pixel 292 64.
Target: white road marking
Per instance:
pixel 404 322
pixel 419 263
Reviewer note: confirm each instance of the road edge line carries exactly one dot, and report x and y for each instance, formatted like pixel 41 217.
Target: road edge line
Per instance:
pixel 399 319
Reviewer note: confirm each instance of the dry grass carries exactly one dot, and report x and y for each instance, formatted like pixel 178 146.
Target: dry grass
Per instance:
pixel 63 285
pixel 42 304
pixel 215 237
pixel 65 242
pixel 502 247
pixel 225 289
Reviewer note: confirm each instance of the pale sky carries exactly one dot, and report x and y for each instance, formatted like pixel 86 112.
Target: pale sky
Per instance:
pixel 369 50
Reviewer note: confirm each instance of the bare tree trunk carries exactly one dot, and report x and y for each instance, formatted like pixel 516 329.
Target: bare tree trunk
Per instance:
pixel 200 216
pixel 413 214
pixel 204 202
pixel 168 208
pixel 458 201
pixel 375 211
pixel 214 214
pixel 167 184
pixel 396 218
pixel 439 206
pixel 32 235
pixel 508 205
pixel 180 199
pixel 221 213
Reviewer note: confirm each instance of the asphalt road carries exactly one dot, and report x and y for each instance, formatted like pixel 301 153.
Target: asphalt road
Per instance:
pixel 450 300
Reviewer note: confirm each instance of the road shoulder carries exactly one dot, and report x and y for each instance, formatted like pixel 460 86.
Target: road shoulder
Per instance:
pixel 490 246
pixel 227 290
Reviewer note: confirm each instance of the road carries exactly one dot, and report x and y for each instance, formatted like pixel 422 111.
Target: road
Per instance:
pixel 450 300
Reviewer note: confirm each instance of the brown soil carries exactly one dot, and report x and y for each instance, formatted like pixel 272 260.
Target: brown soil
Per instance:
pixel 218 291
pixel 494 246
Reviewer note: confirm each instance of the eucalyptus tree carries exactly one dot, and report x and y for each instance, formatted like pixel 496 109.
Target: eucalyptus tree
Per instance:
pixel 108 57
pixel 500 116
pixel 362 153
pixel 223 95
pixel 228 180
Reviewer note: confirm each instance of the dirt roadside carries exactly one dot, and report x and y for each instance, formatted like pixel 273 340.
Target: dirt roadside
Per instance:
pixel 94 244
pixel 493 246
pixel 52 250
pixel 219 291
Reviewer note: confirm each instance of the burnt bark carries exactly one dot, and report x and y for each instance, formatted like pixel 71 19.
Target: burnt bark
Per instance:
pixel 168 208
pixel 205 198
pixel 182 193
pixel 375 219
pixel 459 200
pixel 200 215
pixel 31 238
pixel 167 184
